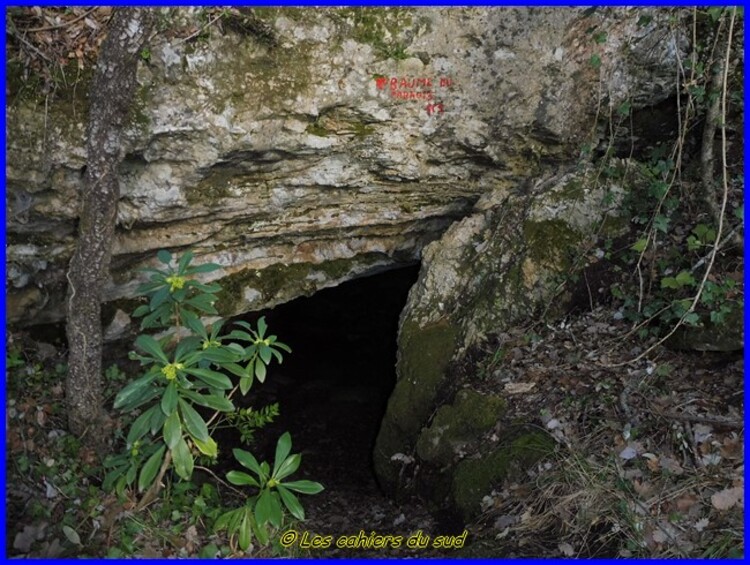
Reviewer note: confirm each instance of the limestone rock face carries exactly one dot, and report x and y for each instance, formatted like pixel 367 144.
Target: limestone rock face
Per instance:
pixel 342 148
pixel 490 270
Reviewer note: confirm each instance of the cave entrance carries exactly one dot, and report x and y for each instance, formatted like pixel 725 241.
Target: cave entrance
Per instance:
pixel 333 388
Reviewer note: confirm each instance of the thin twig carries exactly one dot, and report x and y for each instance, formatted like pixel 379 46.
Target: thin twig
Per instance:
pixel 725 196
pixel 60 26
pixel 199 31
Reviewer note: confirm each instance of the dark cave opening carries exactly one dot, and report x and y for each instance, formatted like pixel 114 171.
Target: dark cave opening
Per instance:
pixel 333 388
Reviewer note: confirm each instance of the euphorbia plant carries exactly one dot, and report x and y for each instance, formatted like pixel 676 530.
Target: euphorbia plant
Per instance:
pixel 187 367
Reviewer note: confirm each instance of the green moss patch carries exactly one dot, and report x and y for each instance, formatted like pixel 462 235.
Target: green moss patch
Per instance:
pixel 550 243
pixel 474 478
pixel 470 415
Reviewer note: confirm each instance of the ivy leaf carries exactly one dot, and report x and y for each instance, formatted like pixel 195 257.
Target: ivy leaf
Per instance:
pixel 684 278
pixel 691 319
pixel 595 61
pixel 640 245
pixel 669 282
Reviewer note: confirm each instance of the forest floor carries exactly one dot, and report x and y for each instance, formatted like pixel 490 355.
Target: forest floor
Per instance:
pixel 649 462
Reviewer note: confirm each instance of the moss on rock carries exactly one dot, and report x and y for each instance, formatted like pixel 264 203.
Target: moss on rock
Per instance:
pixel 470 415
pixel 474 478
pixel 550 242
pixel 424 355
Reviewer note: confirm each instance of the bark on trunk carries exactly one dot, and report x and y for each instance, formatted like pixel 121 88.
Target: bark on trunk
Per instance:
pixel 112 90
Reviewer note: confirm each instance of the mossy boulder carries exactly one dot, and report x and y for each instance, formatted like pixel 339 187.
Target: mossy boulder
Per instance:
pixel 493 269
pixel 424 355
pixel 454 425
pixel 474 478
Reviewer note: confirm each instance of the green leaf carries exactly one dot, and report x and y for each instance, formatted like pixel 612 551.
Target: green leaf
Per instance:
pixel 283 447
pixel 691 318
pixel 265 354
pixel 239 334
pixel 72 535
pixel 208 447
pixel 185 346
pixel 624 108
pixel 203 302
pixel 693 243
pixel 133 391
pixel 235 369
pixel 262 327
pixel 140 426
pixel 220 355
pixel 245 384
pixel 192 321
pixel 159 297
pixel 684 278
pixel 164 256
pixel 289 466
pixel 263 508
pixel 291 502
pixel 260 371
pixel 640 245
pixel 661 223
pixel 241 479
pixel 169 399
pixel 151 346
pixel 283 346
pixel 277 513
pixel 220 403
pixel 204 268
pixel 142 310
pixel 304 487
pixel 183 459
pixel 222 522
pixel 669 282
pixel 149 470
pixel 595 61
pixel 248 461
pixel 245 534
pixel 194 424
pixel 172 430
pixel 184 262
pixel 601 37
pixel 211 378
pixel 157 419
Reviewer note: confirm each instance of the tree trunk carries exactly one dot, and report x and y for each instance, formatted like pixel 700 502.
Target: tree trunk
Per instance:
pixel 112 89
